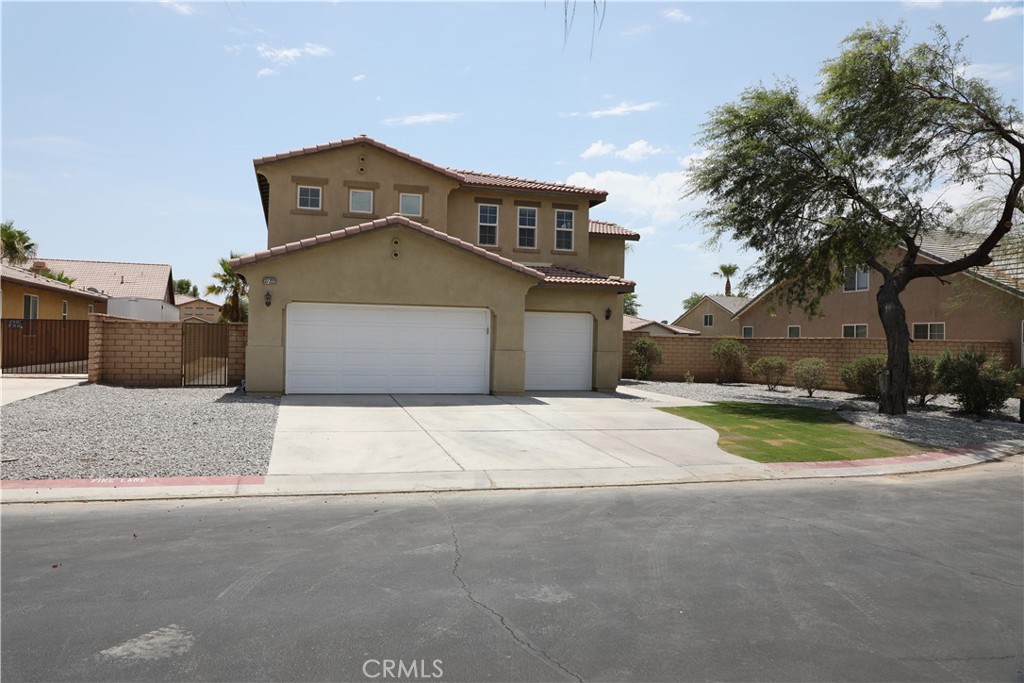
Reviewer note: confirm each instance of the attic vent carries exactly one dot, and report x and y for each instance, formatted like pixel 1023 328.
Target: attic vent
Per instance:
pixel 92 289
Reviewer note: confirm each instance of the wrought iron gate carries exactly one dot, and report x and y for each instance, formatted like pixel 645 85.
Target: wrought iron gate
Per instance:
pixel 204 355
pixel 45 346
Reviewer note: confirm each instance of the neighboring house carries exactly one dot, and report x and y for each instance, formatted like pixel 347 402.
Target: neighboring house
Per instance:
pixel 712 316
pixel 385 273
pixel 981 304
pixel 28 295
pixel 631 323
pixel 193 309
pixel 144 291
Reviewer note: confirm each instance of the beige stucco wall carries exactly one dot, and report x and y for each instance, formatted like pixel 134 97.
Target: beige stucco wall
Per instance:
pixel 386 174
pixel 694 320
pixel 361 270
pixel 463 217
pixel 607 333
pixel 607 255
pixel 49 302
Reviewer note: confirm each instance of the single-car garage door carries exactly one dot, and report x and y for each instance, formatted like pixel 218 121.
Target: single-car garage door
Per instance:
pixel 559 351
pixel 355 349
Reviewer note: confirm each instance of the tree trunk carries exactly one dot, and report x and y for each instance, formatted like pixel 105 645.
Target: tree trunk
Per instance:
pixel 236 313
pixel 893 386
pixel 728 287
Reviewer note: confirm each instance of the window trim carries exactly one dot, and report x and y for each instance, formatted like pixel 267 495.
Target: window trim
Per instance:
pixel 402 195
pixel 480 224
pixel 30 307
pixel 64 309
pixel 531 228
pixel 351 209
pixel 743 332
pixel 929 337
pixel 855 326
pixel 571 230
pixel 789 332
pixel 319 198
pixel 856 280
pixel 707 317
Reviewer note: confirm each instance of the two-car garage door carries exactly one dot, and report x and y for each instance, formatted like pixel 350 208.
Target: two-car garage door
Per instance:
pixel 361 349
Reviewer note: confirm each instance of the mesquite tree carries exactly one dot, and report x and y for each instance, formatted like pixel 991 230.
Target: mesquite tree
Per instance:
pixel 842 179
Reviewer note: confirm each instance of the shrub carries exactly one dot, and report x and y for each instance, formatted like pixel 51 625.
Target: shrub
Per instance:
pixel 810 374
pixel 731 356
pixel 923 384
pixel 644 353
pixel 979 383
pixel 770 370
pixel 861 376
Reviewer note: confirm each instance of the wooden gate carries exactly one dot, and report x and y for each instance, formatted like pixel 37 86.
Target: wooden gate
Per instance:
pixel 45 346
pixel 204 354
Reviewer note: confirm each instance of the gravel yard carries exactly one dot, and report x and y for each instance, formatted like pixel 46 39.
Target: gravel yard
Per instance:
pixel 93 431
pixel 937 425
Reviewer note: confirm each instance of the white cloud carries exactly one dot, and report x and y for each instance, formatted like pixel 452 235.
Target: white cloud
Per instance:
pixel 651 202
pixel 922 4
pixel 290 55
pixel 182 8
pixel 677 15
pixel 263 73
pixel 234 49
pixel 620 109
pixel 992 72
pixel 1004 12
pixel 359 77
pixel 641 30
pixel 638 151
pixel 414 119
pixel 598 149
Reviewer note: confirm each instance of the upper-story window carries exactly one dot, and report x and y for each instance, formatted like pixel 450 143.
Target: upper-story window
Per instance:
pixel 487 233
pixel 360 201
pixel 929 330
pixel 563 229
pixel 527 238
pixel 309 198
pixel 410 204
pixel 793 331
pixel 856 279
pixel 64 310
pixel 30 308
pixel 709 320
pixel 855 331
pixel 747 332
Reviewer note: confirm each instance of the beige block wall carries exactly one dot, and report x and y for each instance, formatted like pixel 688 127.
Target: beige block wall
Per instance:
pixel 49 302
pixel 692 355
pixel 361 164
pixel 362 270
pixel 607 333
pixel 134 353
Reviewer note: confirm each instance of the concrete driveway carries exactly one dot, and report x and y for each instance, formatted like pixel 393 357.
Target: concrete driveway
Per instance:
pixel 500 437
pixel 18 388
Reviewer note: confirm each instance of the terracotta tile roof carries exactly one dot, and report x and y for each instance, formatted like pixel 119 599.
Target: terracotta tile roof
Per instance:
pixel 611 229
pixel 632 322
pixel 118 279
pixel 27 277
pixel 1006 270
pixel 468 178
pixel 566 275
pixel 376 225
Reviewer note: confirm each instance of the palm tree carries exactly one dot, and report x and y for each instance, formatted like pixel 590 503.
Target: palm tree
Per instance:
pixel 231 285
pixel 15 245
pixel 727 270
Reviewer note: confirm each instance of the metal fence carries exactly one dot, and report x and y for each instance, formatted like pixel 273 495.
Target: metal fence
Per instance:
pixel 44 346
pixel 204 355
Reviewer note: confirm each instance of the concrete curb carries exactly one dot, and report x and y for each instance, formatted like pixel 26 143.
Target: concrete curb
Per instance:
pixel 143 488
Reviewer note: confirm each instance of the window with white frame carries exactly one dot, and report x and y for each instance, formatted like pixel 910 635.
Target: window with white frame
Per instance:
pixel 309 197
pixel 747 332
pixel 709 320
pixel 793 331
pixel 64 310
pixel 487 231
pixel 855 331
pixel 856 279
pixel 30 309
pixel 410 204
pixel 563 229
pixel 360 201
pixel 929 330
pixel 527 232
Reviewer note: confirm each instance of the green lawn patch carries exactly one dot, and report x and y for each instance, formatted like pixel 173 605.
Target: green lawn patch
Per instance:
pixel 786 433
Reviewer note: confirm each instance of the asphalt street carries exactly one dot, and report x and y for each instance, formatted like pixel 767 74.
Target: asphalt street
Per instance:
pixel 911 578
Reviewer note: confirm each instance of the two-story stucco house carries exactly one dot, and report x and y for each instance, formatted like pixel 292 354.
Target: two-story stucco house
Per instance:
pixel 385 273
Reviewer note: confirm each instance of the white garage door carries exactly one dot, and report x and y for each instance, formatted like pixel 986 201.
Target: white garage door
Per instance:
pixel 351 349
pixel 559 351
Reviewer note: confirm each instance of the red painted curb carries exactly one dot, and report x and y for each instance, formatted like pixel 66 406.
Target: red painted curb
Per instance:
pixel 126 482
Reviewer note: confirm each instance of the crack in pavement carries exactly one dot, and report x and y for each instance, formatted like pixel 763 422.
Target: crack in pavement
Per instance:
pixel 521 640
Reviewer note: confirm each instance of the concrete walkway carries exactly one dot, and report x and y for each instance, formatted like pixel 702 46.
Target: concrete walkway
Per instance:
pixel 25 386
pixel 328 445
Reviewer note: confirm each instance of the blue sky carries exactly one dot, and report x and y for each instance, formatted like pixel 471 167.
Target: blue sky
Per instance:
pixel 129 130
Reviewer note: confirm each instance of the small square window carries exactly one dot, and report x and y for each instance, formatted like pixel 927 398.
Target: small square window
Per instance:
pixel 527 227
pixel 748 332
pixel 929 330
pixel 858 331
pixel 91 308
pixel 793 331
pixel 856 279
pixel 309 198
pixel 709 320
pixel 487 235
pixel 360 201
pixel 410 204
pixel 563 230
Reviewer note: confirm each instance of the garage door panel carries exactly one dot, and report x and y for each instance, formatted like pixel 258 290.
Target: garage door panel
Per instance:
pixel 342 348
pixel 559 351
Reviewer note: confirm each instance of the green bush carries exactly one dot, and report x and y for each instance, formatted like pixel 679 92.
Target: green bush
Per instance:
pixel 644 353
pixel 731 356
pixel 770 370
pixel 979 383
pixel 810 374
pixel 923 384
pixel 861 376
